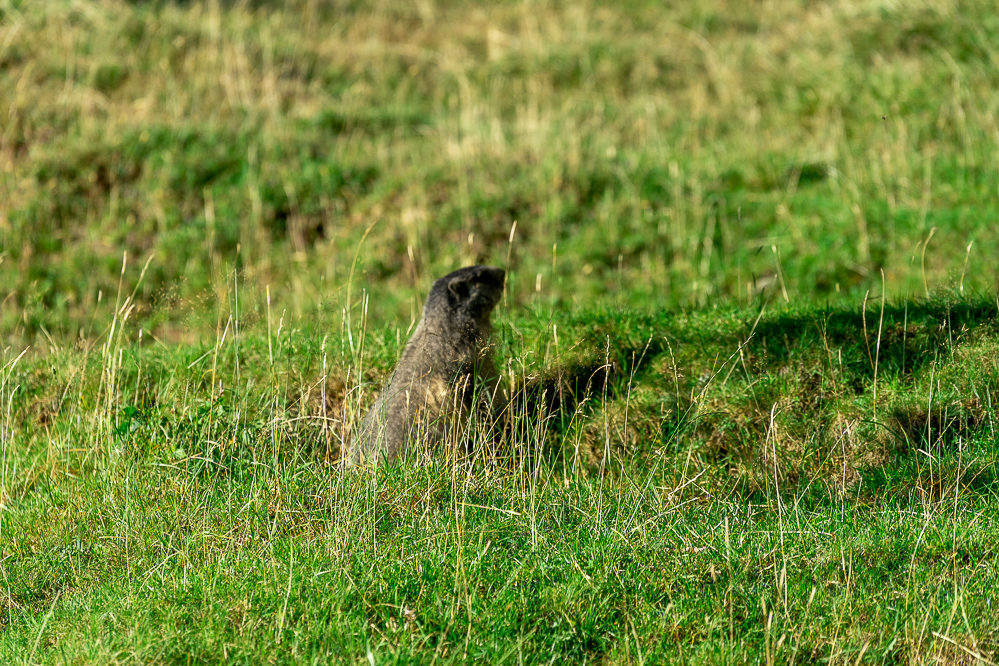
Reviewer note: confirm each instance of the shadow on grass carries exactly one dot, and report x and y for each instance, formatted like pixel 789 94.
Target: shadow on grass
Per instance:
pixel 815 366
pixel 613 352
pixel 902 339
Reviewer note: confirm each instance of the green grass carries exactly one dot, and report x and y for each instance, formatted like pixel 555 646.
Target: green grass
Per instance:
pixel 750 330
pixel 647 155
pixel 174 503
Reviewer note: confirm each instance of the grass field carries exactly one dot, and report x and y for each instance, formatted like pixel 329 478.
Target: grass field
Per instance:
pixel 750 325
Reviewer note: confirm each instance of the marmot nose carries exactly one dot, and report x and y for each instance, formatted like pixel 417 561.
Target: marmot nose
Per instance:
pixel 493 274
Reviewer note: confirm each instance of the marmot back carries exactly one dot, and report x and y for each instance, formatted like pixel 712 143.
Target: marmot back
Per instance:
pixel 432 390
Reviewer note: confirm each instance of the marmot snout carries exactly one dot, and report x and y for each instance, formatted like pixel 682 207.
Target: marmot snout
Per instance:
pixel 445 370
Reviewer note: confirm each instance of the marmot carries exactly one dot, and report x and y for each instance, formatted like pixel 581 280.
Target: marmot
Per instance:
pixel 445 372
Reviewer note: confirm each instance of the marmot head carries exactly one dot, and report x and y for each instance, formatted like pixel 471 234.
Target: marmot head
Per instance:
pixel 468 293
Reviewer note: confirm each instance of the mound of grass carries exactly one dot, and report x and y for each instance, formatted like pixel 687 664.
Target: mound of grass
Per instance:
pixel 718 485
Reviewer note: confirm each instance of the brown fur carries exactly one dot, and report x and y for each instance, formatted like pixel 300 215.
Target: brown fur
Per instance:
pixel 445 369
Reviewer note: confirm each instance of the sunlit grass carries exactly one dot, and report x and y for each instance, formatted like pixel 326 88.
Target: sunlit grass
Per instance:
pixel 749 334
pixel 648 156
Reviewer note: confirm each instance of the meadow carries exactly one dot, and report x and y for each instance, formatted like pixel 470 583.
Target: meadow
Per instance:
pixel 750 330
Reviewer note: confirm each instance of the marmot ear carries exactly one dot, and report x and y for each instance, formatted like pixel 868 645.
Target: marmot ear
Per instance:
pixel 458 288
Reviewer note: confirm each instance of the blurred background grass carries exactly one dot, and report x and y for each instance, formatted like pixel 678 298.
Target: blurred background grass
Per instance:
pixel 631 153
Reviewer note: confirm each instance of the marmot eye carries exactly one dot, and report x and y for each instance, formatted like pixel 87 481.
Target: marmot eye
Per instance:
pixel 459 287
